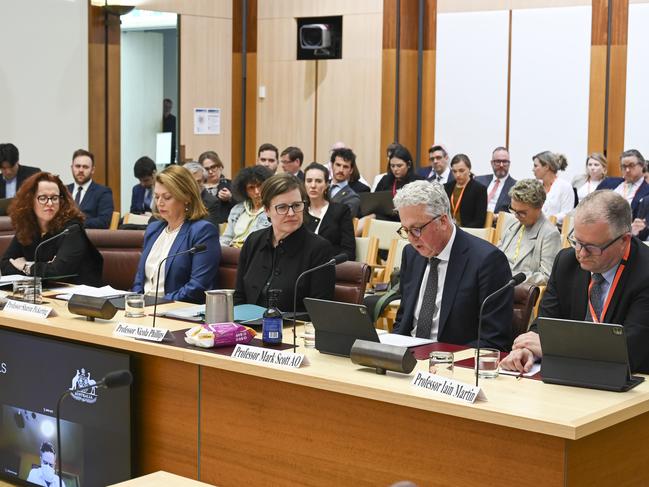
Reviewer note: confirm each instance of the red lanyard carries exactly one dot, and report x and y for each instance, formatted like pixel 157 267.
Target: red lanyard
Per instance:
pixel 394 188
pixel 459 200
pixel 611 291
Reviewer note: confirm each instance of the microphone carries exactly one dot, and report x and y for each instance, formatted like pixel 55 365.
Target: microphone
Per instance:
pixel 338 259
pixel 111 380
pixel 194 250
pixel 514 281
pixel 38 247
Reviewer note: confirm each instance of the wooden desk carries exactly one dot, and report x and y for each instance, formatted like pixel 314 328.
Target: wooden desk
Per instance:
pixel 336 423
pixel 161 479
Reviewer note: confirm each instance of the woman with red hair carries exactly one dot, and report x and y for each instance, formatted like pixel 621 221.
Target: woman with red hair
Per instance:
pixel 42 209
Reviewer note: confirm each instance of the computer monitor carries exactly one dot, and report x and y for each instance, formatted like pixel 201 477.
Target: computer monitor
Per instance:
pixel 95 426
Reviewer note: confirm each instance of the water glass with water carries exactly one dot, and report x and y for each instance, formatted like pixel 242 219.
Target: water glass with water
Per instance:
pixel 487 363
pixel 441 363
pixel 309 335
pixel 134 306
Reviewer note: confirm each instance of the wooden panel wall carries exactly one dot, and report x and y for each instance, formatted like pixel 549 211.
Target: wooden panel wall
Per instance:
pixel 346 92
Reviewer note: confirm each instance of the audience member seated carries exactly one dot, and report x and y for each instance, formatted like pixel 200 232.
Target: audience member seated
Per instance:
pixel 602 279
pixel 217 184
pixel 13 173
pixel 468 197
pixel 632 185
pixel 142 196
pixel 447 273
pixel 42 209
pixel 596 169
pixel 94 200
pixel 400 172
pixel 274 257
pixel 248 216
pixel 560 196
pixel 291 159
pixel 211 202
pixel 499 183
pixel 388 154
pixel 179 207
pixel 531 242
pixel 268 156
pixel 330 220
pixel 343 162
pixel 439 169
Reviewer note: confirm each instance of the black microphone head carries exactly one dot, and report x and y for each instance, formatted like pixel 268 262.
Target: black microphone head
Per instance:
pixel 340 258
pixel 118 378
pixel 519 278
pixel 199 248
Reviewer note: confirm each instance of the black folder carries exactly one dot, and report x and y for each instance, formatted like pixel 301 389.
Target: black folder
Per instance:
pixel 585 354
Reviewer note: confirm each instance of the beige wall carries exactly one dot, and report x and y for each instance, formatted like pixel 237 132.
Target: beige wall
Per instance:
pixel 348 91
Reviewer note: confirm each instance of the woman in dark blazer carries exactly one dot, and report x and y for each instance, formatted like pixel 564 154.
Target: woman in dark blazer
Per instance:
pixel 400 172
pixel 42 209
pixel 180 210
pixel 332 221
pixel 274 257
pixel 468 197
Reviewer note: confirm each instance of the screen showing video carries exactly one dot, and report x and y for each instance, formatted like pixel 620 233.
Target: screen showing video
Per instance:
pixel 95 447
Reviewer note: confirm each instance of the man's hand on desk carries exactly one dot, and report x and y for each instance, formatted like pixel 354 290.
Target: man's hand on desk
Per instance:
pixel 520 360
pixel 529 340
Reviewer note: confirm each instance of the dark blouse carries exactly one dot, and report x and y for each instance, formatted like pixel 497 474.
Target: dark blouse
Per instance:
pixel 337 227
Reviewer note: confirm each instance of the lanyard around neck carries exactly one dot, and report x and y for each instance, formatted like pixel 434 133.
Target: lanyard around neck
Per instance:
pixel 611 291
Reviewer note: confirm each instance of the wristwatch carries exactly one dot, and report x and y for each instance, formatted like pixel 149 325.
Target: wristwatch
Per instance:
pixel 27 268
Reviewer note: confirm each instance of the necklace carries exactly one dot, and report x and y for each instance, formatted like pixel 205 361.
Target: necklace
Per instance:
pixel 167 230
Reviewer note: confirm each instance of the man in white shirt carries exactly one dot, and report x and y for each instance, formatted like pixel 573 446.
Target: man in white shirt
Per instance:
pixel 94 200
pixel 632 185
pixel 439 169
pixel 499 183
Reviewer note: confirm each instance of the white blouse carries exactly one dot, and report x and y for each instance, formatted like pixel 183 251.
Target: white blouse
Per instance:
pixel 560 200
pixel 159 251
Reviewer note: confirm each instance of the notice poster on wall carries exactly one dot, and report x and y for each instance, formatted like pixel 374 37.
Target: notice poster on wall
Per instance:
pixel 207 121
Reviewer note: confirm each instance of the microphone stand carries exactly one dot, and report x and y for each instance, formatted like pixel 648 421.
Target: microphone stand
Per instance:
pixel 38 247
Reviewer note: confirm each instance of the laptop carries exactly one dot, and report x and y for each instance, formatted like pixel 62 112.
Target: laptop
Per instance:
pixel 338 325
pixel 380 202
pixel 585 354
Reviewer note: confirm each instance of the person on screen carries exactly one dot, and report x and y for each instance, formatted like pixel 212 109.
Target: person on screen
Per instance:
pixel 603 278
pixel 45 475
pixel 273 258
pixel 446 274
pixel 180 211
pixel 42 209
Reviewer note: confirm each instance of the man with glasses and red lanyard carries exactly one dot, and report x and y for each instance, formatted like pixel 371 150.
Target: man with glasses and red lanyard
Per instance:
pixel 631 185
pixel 447 273
pixel 603 278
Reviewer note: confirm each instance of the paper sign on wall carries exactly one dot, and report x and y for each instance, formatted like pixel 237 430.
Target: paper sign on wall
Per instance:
pixel 207 121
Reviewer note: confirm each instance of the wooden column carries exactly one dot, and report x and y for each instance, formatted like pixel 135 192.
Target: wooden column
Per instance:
pixel 104 97
pixel 251 84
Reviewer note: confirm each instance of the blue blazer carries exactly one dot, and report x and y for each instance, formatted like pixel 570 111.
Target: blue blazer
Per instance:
pixel 504 199
pixel 187 276
pixel 137 200
pixel 643 190
pixel 97 205
pixel 475 270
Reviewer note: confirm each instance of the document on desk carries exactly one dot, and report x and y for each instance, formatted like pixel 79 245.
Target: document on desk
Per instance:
pixel 11 278
pixel 403 340
pixel 83 290
pixel 536 368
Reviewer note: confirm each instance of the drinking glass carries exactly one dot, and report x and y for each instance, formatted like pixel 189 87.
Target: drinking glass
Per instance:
pixel 134 306
pixel 487 363
pixel 441 363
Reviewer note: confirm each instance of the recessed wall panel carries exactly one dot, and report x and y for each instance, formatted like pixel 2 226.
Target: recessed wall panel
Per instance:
pixel 636 134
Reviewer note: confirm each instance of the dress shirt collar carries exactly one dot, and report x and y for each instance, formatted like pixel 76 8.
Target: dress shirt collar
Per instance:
pixel 445 254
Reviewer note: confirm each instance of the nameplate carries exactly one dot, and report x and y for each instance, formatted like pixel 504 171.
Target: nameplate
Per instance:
pixel 30 309
pixel 438 385
pixel 266 356
pixel 140 332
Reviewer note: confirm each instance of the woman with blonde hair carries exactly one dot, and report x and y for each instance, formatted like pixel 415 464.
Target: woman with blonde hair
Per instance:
pixel 180 210
pixel 560 196
pixel 596 169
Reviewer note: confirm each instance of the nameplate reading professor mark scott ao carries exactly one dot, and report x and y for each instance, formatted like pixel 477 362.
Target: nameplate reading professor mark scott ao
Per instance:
pixel 266 356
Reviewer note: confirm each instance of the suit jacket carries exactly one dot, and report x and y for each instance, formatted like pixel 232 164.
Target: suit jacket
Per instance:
pixel 359 187
pixel 503 198
pixel 337 227
pixel 97 205
pixel 73 253
pixel 473 207
pixel 539 246
pixel 187 276
pixel 349 197
pixel 643 190
pixel 475 270
pixel 643 213
pixel 263 267
pixel 567 294
pixel 424 172
pixel 23 173
pixel 137 200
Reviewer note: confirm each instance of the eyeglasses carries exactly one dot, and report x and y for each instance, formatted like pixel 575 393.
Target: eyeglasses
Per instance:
pixel 297 207
pixel 518 214
pixel 591 249
pixel 628 167
pixel 55 199
pixel 500 162
pixel 213 168
pixel 414 231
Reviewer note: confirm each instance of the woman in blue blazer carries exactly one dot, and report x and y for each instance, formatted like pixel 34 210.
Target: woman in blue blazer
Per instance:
pixel 178 206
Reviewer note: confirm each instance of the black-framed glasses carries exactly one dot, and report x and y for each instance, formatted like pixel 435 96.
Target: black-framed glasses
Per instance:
pixel 297 207
pixel 628 167
pixel 590 248
pixel 213 168
pixel 517 214
pixel 55 199
pixel 500 162
pixel 415 231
